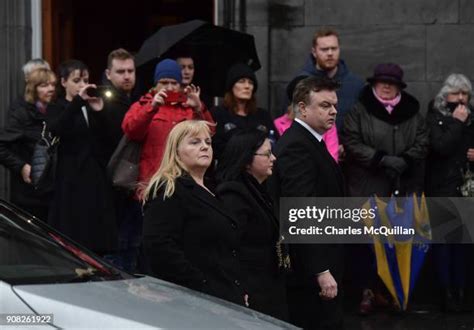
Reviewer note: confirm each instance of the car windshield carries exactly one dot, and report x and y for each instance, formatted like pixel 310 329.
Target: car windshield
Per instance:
pixel 31 252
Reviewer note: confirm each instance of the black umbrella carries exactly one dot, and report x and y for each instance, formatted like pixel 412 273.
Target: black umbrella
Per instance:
pixel 213 48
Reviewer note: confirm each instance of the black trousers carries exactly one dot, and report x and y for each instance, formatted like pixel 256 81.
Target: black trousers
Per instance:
pixel 308 311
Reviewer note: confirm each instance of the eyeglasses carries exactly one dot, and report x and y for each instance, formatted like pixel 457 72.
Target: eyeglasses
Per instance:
pixel 267 153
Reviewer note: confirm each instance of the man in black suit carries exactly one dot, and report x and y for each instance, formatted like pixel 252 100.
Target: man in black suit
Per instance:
pixel 305 168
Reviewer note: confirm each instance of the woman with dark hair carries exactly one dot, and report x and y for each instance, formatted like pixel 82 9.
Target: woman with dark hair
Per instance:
pixel 246 163
pixel 82 205
pixel 240 108
pixel 17 141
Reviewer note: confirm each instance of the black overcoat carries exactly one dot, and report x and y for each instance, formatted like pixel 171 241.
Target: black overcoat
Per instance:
pixel 82 206
pixel 447 160
pixel 17 141
pixel 191 239
pixel 259 228
pixel 304 168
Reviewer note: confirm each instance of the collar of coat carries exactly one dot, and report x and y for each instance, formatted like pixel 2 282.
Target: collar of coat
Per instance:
pixel 404 110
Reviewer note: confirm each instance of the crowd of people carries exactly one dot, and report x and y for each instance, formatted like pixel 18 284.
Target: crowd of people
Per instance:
pixel 204 212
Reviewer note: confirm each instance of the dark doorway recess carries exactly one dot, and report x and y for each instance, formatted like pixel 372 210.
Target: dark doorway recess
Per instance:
pixel 89 29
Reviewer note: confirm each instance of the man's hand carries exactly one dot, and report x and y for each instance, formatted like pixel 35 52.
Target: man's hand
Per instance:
pixel 328 286
pixel 193 93
pixel 159 98
pixel 25 173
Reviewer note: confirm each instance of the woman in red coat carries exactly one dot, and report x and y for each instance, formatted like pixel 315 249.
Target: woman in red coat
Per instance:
pixel 151 118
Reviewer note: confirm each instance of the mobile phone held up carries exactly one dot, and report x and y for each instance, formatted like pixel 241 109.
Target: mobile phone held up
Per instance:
pixel 175 97
pixel 99 91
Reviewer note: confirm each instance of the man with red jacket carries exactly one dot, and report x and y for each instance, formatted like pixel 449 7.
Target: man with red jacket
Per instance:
pixel 151 118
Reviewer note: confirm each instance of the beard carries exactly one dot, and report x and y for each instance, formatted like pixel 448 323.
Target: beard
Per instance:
pixel 327 65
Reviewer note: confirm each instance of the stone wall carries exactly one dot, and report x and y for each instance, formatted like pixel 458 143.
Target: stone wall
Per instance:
pixel 429 39
pixel 15 50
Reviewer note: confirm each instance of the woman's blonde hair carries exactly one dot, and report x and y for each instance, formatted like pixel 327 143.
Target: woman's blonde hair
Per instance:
pixel 171 166
pixel 37 77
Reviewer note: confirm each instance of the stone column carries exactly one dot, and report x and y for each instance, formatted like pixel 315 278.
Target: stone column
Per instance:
pixel 15 50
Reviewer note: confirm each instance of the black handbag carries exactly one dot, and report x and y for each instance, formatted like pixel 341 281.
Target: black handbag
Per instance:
pixel 467 188
pixel 44 160
pixel 123 166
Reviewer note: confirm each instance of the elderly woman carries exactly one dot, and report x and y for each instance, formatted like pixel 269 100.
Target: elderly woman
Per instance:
pixel 240 108
pixel 190 238
pixel 386 142
pixel 246 163
pixel 451 153
pixel 17 141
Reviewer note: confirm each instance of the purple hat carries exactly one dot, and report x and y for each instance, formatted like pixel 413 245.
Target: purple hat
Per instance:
pixel 389 72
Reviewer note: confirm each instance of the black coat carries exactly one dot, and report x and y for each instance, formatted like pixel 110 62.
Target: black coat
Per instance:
pixel 304 168
pixel 82 206
pixel 17 141
pixel 449 140
pixel 370 133
pixel 191 239
pixel 114 111
pixel 228 122
pixel 259 228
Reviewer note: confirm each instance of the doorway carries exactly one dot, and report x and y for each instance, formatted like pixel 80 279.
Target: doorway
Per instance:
pixel 89 29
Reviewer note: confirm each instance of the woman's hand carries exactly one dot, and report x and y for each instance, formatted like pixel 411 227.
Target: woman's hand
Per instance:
pixel 460 113
pixel 159 98
pixel 96 103
pixel 194 101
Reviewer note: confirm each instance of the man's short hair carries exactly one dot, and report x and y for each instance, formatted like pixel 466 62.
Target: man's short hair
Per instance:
pixel 312 84
pixel 324 32
pixel 118 54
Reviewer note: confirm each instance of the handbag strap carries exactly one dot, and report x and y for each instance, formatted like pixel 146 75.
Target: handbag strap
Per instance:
pixel 46 135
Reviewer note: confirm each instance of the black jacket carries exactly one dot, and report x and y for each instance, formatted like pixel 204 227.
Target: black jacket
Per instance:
pixel 191 239
pixel 82 206
pixel 370 133
pixel 114 111
pixel 259 228
pixel 449 140
pixel 229 122
pixel 304 168
pixel 17 141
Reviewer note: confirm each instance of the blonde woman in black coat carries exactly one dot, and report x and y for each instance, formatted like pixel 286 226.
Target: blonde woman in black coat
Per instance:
pixel 189 237
pixel 246 163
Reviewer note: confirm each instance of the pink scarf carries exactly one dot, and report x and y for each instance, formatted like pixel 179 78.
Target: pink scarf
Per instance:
pixel 388 104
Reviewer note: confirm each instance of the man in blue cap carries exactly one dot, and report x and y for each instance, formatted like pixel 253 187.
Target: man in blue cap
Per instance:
pixel 150 120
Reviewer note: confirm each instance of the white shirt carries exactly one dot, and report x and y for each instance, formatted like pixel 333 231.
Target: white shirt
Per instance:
pixel 310 129
pixel 319 137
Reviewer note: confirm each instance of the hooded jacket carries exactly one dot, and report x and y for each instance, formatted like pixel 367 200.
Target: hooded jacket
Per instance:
pixel 347 94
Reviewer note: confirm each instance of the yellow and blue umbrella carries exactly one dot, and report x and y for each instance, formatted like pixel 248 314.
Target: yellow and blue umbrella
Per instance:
pixel 400 257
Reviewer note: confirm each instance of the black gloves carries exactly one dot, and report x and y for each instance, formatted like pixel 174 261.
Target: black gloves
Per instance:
pixel 394 166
